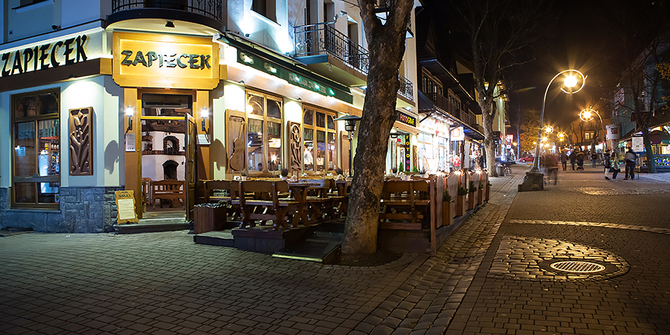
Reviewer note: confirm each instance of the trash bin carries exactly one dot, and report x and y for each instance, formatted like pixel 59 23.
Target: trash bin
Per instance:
pixel 501 170
pixel 208 217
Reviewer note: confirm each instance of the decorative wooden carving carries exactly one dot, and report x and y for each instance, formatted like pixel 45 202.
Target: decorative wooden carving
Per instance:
pixel 295 145
pixel 236 157
pixel 81 141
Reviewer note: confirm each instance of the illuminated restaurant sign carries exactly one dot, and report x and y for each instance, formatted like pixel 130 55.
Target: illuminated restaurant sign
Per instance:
pixel 404 118
pixel 44 56
pixel 165 61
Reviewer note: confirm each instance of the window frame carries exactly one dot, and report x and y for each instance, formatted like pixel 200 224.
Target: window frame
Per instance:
pixel 265 146
pixel 35 179
pixel 315 128
pixel 265 8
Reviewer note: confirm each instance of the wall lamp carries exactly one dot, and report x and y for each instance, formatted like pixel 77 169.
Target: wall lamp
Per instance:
pixel 129 114
pixel 204 114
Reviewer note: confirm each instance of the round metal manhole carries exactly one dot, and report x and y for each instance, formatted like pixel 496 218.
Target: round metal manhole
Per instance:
pixel 577 266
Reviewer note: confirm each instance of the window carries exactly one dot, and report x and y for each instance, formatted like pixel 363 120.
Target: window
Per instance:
pixel 264 129
pixel 588 135
pixel 36 143
pixel 319 141
pixel 265 8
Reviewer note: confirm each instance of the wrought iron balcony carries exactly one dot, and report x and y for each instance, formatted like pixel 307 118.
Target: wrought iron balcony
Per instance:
pixel 208 8
pixel 323 38
pixel 406 88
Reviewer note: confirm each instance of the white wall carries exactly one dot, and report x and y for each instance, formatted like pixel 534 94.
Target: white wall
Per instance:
pixel 98 92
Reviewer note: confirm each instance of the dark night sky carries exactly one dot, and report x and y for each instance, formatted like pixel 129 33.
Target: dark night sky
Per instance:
pixel 588 37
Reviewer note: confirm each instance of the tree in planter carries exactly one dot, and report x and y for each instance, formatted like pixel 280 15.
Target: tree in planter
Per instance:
pixel 386 47
pixel 460 200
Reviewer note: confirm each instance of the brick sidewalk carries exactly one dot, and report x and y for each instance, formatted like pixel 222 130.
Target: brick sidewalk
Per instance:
pixel 488 278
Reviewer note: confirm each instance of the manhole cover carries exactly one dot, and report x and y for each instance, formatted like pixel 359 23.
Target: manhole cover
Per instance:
pixel 577 266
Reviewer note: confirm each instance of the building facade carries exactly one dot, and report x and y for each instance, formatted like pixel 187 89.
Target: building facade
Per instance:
pixel 129 95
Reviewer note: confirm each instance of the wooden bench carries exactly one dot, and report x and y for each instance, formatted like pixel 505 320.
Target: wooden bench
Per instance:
pixel 260 200
pixel 169 190
pixel 404 204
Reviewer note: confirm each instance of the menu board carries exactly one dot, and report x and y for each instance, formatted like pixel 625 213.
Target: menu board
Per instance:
pixel 125 204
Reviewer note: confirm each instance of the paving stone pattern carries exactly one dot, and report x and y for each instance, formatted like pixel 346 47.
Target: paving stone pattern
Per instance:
pixel 163 283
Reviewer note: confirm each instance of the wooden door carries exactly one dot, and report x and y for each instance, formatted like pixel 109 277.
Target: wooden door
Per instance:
pixel 189 138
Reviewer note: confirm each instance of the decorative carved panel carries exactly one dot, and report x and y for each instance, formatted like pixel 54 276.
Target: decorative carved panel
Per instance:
pixel 295 146
pixel 236 141
pixel 81 141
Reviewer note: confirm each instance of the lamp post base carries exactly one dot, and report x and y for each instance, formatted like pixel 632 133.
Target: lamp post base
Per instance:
pixel 534 181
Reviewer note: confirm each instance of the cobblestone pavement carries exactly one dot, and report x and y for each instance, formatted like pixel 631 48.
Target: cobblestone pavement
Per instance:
pixel 494 275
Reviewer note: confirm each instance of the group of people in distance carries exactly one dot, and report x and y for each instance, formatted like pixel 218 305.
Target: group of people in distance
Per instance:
pixel 611 163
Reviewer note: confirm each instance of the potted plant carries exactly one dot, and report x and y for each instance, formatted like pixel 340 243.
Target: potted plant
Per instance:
pixel 488 190
pixel 447 217
pixel 471 196
pixel 243 175
pixel 460 200
pixel 480 189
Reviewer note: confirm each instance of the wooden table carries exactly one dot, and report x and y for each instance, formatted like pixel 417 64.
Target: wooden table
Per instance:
pixel 299 193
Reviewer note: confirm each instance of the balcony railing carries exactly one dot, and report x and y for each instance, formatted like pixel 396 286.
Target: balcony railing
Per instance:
pixel 444 104
pixel 406 88
pixel 323 38
pixel 208 8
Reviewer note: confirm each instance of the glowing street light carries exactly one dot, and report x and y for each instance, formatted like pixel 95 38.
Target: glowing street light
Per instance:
pixel 548 129
pixel 573 82
pixel 571 85
pixel 586 115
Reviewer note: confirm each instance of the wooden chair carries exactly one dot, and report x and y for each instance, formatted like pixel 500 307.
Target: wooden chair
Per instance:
pixel 264 195
pixel 404 204
pixel 169 190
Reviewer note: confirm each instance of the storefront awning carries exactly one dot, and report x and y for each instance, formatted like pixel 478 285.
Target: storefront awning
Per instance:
pixel 274 64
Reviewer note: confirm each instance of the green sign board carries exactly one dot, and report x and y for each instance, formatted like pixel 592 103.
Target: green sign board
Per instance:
pixel 293 77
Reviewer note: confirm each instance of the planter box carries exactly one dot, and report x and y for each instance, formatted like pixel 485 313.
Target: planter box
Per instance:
pixel 209 217
pixel 487 193
pixel 447 217
pixel 480 199
pixel 460 205
pixel 471 200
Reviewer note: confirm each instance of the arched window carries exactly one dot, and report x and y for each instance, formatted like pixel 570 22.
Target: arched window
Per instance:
pixel 171 145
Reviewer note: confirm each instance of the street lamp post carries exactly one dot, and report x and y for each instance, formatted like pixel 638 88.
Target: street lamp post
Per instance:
pixel 586 115
pixel 350 127
pixel 534 179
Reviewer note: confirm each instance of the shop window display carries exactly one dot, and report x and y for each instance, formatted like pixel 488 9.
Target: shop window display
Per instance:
pixel 36 154
pixel 264 133
pixel 319 142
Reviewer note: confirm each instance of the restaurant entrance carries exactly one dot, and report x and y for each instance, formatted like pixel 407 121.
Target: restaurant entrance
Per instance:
pixel 167 156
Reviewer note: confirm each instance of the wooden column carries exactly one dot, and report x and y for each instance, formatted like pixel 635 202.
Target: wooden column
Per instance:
pixel 204 164
pixel 133 159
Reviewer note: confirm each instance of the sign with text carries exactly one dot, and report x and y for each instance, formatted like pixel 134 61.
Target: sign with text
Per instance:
pixel 406 119
pixel 125 206
pixel 637 143
pixel 457 134
pixel 165 61
pixel 50 53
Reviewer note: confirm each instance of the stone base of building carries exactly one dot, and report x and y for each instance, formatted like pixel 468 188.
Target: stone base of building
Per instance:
pixel 82 210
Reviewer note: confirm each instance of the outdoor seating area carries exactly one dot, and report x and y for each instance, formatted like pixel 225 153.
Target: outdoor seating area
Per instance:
pixel 414 209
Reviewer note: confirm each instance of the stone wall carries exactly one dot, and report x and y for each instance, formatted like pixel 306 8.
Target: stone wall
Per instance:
pixel 82 210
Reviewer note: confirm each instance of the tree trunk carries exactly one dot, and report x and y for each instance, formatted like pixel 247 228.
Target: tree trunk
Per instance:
pixel 489 141
pixel 386 47
pixel 651 164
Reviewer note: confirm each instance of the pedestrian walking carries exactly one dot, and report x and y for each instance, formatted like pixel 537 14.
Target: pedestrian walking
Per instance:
pixel 630 159
pixel 564 160
pixel 573 158
pixel 614 166
pixel 551 167
pixel 607 163
pixel 594 157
